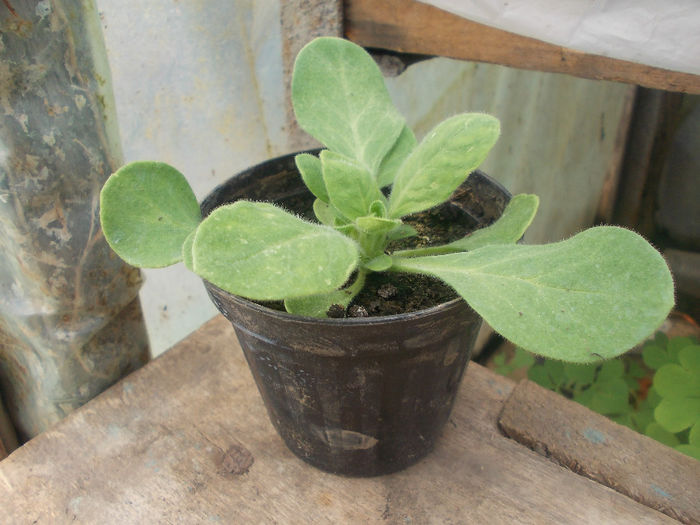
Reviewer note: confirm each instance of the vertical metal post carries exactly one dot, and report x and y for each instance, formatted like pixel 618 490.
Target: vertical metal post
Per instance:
pixel 302 21
pixel 70 318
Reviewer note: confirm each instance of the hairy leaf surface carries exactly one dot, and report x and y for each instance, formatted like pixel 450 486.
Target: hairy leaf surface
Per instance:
pixel 147 210
pixel 509 227
pixel 441 162
pixel 351 188
pixel 339 97
pixel 397 155
pixel 590 297
pixel 262 252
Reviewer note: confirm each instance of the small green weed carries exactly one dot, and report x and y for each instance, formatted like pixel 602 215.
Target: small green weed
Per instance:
pixel 657 395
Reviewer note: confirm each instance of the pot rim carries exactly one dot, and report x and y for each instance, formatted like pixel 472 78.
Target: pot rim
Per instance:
pixel 371 320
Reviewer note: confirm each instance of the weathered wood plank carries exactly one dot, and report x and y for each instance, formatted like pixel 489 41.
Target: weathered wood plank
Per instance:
pixel 602 450
pixel 409 26
pixel 187 440
pixel 301 21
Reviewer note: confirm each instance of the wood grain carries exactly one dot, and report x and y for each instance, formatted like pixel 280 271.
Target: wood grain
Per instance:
pixel 600 449
pixel 186 440
pixel 408 26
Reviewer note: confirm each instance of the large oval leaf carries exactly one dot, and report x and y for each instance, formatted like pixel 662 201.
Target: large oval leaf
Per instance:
pixel 261 252
pixel 147 210
pixel 339 97
pixel 590 297
pixel 442 161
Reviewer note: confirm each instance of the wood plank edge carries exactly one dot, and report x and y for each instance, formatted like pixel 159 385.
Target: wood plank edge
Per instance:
pixel 530 398
pixel 408 26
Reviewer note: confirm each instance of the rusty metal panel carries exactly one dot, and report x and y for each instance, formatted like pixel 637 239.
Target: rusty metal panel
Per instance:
pixel 70 319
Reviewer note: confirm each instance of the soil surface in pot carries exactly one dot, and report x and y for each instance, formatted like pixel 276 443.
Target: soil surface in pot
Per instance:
pixel 390 293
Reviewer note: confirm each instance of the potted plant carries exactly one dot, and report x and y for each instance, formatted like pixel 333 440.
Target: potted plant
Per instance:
pixel 369 395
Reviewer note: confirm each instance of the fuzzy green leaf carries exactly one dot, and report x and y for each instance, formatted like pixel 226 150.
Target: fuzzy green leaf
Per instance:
pixel 324 213
pixel 441 162
pixel 509 228
pixel 262 252
pixel 339 97
pixel 147 210
pixel 399 152
pixel 381 263
pixel 401 232
pixel 318 305
pixel 372 224
pixel 187 251
pixel 351 188
pixel 588 298
pixel 378 209
pixel 309 167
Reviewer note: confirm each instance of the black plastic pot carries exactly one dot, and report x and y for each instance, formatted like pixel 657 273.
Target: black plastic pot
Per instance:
pixel 358 396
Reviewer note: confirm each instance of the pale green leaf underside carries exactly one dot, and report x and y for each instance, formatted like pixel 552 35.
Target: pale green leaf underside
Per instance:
pixel 339 97
pixel 441 162
pixel 590 297
pixel 261 252
pixel 147 210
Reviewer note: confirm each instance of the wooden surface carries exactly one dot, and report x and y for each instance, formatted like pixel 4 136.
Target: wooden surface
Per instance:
pixel 186 440
pixel 409 26
pixel 612 454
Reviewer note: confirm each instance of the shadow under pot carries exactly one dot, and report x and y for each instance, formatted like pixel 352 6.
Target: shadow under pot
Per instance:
pixel 355 396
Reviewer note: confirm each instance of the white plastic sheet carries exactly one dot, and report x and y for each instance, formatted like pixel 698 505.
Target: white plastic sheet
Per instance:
pixel 660 33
